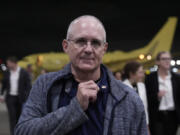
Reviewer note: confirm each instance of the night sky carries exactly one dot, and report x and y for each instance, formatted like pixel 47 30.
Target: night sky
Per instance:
pixel 27 28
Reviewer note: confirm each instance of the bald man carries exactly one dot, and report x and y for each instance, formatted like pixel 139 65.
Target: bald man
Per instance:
pixel 84 98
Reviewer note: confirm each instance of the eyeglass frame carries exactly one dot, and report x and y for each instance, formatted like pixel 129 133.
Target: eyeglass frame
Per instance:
pixel 83 45
pixel 165 59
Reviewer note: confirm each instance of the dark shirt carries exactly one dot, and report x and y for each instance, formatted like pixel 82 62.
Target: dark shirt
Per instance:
pixel 135 87
pixel 95 111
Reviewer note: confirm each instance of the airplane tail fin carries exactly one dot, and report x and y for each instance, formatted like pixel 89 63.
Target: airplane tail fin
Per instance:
pixel 162 41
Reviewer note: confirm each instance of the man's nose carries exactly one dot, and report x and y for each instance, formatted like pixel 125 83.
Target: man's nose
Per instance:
pixel 88 47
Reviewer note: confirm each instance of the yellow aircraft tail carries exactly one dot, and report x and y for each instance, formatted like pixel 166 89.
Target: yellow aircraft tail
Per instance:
pixel 114 60
pixel 162 41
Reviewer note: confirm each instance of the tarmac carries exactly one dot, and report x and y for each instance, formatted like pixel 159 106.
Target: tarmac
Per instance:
pixel 4 122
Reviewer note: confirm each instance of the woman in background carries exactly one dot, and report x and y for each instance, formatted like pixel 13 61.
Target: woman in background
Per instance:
pixel 133 76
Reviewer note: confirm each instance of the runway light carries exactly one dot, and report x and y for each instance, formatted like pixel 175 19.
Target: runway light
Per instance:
pixel 149 57
pixel 141 56
pixel 178 62
pixel 3 67
pixel 173 62
pixel 154 68
pixel 175 70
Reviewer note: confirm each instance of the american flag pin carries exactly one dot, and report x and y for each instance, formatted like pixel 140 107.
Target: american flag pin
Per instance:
pixel 103 86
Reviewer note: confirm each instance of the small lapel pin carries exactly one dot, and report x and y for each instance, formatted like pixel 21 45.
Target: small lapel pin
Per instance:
pixel 103 86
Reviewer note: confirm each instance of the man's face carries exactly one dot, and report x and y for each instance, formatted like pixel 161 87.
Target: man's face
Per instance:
pixel 164 62
pixel 11 65
pixel 86 46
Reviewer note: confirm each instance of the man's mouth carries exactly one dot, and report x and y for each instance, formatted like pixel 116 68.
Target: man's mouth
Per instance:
pixel 84 58
pixel 87 59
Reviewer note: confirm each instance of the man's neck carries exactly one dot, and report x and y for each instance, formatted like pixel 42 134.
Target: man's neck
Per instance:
pixel 83 76
pixel 14 69
pixel 163 73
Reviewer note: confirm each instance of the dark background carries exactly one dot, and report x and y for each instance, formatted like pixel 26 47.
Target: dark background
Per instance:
pixel 32 27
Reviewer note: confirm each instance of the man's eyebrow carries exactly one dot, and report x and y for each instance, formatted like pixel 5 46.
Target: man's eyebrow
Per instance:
pixel 88 38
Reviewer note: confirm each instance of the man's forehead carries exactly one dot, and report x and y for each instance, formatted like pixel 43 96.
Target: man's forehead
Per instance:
pixel 86 26
pixel 86 23
pixel 165 55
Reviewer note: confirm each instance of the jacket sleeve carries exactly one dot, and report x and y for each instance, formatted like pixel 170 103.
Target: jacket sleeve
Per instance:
pixel 34 120
pixel 27 86
pixel 139 118
pixel 142 128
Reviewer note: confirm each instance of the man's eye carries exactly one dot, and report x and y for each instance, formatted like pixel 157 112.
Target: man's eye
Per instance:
pixel 81 41
pixel 96 43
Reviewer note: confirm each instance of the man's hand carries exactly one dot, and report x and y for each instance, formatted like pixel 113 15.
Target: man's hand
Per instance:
pixel 87 92
pixel 161 93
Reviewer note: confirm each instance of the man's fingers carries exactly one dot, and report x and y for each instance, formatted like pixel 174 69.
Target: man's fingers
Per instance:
pixel 93 87
pixel 88 82
pixel 89 85
pixel 92 96
pixel 87 92
pixel 161 93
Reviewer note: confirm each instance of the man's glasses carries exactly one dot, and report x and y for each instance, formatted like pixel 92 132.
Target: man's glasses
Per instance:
pixel 165 59
pixel 83 42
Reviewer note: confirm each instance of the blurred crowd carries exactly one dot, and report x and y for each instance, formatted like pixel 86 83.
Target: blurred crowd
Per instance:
pixel 15 87
pixel 158 91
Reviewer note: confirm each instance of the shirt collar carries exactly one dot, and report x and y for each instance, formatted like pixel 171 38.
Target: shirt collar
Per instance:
pixel 168 77
pixel 102 82
pixel 17 70
pixel 116 88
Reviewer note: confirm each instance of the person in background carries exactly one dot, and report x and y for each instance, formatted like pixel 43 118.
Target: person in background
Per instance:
pixel 133 76
pixel 43 71
pixel 30 71
pixel 117 75
pixel 84 98
pixel 163 92
pixel 17 84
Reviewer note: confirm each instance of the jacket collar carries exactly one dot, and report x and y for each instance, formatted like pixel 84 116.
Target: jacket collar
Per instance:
pixel 127 82
pixel 116 87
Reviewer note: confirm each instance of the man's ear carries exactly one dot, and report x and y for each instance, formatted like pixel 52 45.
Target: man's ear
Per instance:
pixel 105 47
pixel 65 45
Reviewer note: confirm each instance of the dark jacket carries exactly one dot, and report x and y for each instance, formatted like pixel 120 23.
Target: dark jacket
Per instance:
pixel 152 87
pixel 24 84
pixel 124 113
